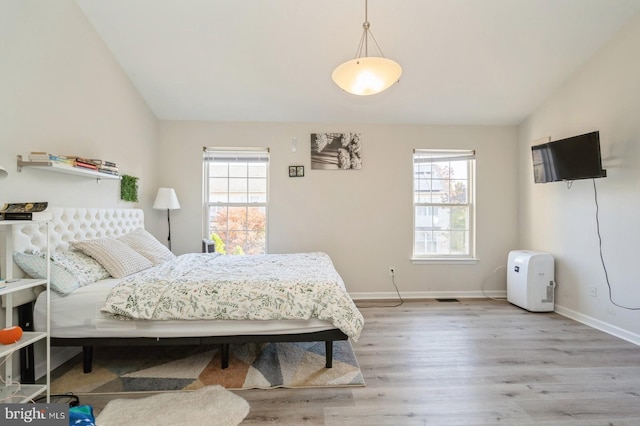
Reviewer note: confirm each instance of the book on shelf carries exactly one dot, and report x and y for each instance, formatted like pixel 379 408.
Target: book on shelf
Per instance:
pixel 45 215
pixel 65 161
pixel 73 159
pixel 98 162
pixel 109 172
pixel 83 165
pixel 94 164
pixel 31 207
pixel 109 168
pixel 102 166
pixel 43 157
pixel 25 211
pixel 39 156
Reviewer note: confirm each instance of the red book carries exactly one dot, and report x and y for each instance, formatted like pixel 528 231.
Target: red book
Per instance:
pixel 86 165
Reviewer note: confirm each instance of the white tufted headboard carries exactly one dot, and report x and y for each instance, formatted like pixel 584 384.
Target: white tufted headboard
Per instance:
pixel 75 224
pixel 68 224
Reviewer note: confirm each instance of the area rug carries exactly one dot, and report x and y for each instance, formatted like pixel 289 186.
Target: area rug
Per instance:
pixel 169 368
pixel 206 406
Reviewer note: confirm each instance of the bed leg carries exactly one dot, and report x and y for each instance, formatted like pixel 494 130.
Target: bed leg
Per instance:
pixel 328 347
pixel 224 355
pixel 87 358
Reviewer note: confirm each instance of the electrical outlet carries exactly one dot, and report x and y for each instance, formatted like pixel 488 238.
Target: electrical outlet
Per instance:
pixel 593 291
pixel 392 271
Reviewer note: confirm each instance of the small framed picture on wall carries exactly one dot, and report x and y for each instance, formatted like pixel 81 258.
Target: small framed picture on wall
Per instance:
pixel 296 171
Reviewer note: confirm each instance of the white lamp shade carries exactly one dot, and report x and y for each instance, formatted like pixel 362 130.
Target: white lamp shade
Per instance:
pixel 3 172
pixel 166 199
pixel 367 75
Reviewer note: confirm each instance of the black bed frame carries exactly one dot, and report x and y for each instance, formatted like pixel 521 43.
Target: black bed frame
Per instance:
pixel 27 367
pixel 328 336
pixel 27 370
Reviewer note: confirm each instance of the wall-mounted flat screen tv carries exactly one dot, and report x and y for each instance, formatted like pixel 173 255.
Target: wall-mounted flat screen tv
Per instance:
pixel 568 159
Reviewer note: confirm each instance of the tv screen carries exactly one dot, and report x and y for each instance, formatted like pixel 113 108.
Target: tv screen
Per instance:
pixel 573 158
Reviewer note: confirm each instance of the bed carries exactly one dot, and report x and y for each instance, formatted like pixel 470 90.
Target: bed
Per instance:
pixel 100 312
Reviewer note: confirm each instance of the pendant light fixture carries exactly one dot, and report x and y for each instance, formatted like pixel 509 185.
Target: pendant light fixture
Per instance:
pixel 367 75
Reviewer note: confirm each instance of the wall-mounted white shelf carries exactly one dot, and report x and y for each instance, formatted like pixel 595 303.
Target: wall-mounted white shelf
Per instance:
pixel 53 166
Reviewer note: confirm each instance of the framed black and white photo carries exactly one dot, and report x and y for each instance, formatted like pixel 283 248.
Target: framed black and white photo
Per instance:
pixel 336 151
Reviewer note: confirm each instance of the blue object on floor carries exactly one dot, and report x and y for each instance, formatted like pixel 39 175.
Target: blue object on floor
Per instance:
pixel 82 415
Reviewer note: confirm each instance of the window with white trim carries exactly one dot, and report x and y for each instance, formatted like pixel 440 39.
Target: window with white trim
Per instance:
pixel 236 183
pixel 443 204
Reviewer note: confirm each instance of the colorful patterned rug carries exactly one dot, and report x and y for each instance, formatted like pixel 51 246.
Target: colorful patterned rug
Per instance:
pixel 169 368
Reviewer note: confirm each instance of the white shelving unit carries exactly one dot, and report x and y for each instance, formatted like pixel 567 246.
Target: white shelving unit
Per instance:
pixel 10 391
pixel 52 166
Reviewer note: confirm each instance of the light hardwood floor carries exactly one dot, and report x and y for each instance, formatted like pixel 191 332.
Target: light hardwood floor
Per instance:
pixel 473 362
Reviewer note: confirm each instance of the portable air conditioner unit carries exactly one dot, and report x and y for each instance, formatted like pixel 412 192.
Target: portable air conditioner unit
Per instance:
pixel 530 280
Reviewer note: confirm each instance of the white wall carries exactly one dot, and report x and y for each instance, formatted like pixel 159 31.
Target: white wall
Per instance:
pixel 604 95
pixel 363 219
pixel 62 91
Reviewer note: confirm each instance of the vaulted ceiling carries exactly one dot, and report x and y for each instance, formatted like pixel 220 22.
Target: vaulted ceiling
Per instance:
pixel 488 62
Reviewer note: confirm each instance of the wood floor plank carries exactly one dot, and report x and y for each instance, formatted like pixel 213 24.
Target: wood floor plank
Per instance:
pixel 473 362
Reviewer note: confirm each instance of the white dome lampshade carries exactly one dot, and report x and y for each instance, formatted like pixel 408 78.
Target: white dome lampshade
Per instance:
pixel 3 172
pixel 367 75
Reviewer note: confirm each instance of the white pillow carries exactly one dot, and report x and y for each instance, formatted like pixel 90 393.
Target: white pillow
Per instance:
pixel 116 257
pixel 147 245
pixel 35 266
pixel 86 269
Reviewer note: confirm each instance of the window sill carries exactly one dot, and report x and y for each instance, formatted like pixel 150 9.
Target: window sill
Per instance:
pixel 444 261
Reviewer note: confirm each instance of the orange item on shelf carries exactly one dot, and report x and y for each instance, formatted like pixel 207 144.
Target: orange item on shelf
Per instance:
pixel 10 335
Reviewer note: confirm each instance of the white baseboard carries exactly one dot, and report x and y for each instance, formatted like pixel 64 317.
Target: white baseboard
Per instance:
pixel 388 295
pixel 599 325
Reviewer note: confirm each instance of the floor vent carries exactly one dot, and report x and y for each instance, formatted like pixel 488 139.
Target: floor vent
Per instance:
pixel 447 300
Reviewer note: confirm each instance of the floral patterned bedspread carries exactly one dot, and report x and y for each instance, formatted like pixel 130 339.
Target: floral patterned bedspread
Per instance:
pixel 256 287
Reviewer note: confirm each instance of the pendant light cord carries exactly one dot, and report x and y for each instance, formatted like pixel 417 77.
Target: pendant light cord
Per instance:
pixel 366 27
pixel 366 32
